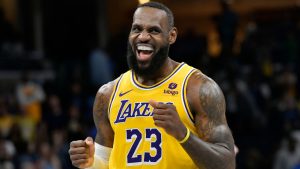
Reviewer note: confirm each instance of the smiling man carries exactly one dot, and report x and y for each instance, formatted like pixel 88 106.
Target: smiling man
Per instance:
pixel 160 114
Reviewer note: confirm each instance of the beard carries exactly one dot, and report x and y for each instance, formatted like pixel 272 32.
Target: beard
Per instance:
pixel 156 62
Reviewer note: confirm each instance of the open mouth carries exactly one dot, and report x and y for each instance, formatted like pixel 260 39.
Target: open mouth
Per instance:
pixel 144 53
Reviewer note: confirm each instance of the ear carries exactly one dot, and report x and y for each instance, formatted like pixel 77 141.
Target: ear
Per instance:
pixel 172 35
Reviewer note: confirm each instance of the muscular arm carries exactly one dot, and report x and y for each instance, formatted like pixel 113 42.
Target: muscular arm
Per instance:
pixel 214 146
pixel 105 134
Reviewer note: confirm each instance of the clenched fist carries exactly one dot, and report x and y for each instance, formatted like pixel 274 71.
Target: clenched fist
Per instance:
pixel 82 152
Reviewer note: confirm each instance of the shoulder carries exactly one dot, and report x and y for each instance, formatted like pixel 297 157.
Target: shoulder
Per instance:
pixel 107 89
pixel 204 94
pixel 200 81
pixel 102 101
pixel 104 93
pixel 202 84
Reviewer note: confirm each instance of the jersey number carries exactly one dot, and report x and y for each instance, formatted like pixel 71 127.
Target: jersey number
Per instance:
pixel 137 159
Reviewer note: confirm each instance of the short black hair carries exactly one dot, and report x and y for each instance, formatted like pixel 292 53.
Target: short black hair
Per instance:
pixel 160 6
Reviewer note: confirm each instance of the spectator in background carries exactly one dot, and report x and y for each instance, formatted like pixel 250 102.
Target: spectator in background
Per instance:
pixel 47 158
pixel 288 155
pixel 227 23
pixel 60 147
pixel 100 67
pixel 10 43
pixel 6 119
pixel 76 95
pixel 7 151
pixel 75 123
pixel 54 115
pixel 30 96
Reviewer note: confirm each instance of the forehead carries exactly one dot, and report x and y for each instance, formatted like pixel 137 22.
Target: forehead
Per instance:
pixel 148 16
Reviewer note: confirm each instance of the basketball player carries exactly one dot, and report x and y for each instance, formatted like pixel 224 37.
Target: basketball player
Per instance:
pixel 160 114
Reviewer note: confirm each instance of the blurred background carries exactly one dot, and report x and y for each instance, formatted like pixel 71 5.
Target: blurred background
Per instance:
pixel 55 54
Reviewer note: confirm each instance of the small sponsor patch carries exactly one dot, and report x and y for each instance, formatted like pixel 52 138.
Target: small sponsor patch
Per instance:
pixel 172 86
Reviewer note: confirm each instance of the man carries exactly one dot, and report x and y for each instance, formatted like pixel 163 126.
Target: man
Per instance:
pixel 160 114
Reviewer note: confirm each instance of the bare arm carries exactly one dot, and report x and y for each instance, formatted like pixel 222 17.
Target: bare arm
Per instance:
pixel 82 151
pixel 105 134
pixel 214 146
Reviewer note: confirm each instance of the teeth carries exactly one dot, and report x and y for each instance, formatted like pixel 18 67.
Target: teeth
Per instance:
pixel 145 48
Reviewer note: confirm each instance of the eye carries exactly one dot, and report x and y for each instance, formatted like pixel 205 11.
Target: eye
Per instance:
pixel 154 30
pixel 135 29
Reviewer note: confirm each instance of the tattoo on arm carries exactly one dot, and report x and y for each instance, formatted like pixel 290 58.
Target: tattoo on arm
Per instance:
pixel 213 146
pixel 105 134
pixel 213 109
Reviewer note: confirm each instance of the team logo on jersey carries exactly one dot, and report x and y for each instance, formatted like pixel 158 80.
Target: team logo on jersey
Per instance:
pixel 131 110
pixel 171 90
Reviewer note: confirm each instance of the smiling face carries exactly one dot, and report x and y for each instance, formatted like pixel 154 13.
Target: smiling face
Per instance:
pixel 149 40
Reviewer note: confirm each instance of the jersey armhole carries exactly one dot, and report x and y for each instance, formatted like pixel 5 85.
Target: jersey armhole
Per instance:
pixel 112 97
pixel 185 101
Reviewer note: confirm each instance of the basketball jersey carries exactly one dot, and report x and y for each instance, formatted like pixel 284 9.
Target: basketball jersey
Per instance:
pixel 138 143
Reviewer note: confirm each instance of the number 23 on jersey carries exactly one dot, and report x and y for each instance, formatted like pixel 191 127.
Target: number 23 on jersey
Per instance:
pixel 151 156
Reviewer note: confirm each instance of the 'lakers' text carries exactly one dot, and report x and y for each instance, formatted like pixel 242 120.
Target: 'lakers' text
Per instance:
pixel 131 110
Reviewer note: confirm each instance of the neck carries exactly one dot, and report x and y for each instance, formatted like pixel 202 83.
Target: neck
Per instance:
pixel 166 69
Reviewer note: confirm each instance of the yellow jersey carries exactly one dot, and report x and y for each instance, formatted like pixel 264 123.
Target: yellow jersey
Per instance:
pixel 138 143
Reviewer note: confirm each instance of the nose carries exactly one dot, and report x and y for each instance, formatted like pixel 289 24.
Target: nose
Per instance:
pixel 144 36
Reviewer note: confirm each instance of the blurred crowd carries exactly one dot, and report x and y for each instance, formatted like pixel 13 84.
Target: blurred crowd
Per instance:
pixel 259 77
